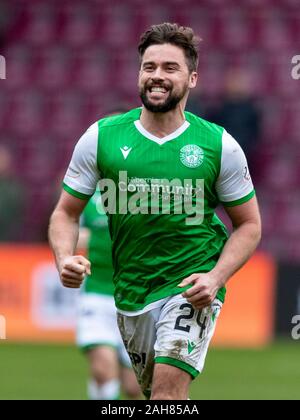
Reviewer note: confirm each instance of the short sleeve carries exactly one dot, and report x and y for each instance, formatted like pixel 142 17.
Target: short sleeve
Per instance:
pixel 234 185
pixel 83 175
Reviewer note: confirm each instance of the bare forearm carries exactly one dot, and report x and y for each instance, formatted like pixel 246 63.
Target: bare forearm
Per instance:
pixel 237 251
pixel 63 235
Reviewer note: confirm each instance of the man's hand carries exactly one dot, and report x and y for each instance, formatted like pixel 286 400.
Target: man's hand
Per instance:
pixel 204 290
pixel 72 271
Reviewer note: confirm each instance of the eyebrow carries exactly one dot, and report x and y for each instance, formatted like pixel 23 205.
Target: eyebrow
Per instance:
pixel 166 63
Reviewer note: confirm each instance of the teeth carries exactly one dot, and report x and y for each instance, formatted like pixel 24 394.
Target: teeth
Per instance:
pixel 158 89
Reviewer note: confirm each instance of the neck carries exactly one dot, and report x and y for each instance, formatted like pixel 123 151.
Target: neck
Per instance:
pixel 162 124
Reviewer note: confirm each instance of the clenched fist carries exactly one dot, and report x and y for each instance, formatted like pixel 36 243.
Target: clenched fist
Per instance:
pixel 204 289
pixel 72 271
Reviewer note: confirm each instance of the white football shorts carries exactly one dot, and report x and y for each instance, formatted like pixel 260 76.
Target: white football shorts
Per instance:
pixel 174 333
pixel 97 325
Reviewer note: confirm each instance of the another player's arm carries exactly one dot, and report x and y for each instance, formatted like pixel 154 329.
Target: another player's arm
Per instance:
pixel 63 237
pixel 84 237
pixel 84 233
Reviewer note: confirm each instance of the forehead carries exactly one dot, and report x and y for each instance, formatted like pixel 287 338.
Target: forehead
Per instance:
pixel 164 53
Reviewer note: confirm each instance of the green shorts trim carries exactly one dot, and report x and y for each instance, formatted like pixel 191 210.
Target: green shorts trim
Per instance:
pixel 179 364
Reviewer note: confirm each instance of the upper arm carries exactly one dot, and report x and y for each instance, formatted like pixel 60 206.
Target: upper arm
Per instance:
pixel 234 185
pixel 244 213
pixel 82 175
pixel 70 205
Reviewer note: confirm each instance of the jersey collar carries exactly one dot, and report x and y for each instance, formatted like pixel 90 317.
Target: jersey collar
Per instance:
pixel 161 140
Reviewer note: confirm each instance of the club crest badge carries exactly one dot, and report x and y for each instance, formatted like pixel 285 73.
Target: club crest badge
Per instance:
pixel 191 155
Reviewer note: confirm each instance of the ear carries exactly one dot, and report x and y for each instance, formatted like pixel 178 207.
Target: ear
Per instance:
pixel 193 80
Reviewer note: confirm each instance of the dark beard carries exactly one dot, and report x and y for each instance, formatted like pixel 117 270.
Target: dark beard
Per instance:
pixel 169 104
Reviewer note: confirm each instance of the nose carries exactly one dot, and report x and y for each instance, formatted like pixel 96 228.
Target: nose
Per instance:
pixel 157 74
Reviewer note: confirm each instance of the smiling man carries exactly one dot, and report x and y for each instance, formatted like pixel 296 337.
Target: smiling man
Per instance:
pixel 169 272
pixel 158 94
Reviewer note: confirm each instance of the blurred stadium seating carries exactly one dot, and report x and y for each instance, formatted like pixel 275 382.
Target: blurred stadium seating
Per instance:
pixel 70 61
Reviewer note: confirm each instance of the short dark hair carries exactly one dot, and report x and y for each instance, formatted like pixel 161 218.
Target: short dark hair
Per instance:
pixel 171 33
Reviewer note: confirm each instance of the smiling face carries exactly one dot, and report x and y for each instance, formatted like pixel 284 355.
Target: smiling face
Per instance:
pixel 164 78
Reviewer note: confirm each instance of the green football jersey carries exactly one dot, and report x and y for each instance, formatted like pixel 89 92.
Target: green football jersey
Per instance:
pixel 160 195
pixel 99 248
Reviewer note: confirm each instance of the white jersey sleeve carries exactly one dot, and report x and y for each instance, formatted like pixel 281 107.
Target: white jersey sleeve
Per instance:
pixel 83 175
pixel 234 185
